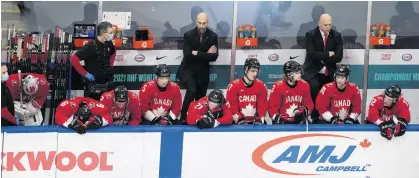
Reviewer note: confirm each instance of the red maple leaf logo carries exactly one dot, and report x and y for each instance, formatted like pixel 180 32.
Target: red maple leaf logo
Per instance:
pixel 365 144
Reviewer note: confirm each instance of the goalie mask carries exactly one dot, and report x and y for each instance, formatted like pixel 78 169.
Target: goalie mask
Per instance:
pixel 83 113
pixel 121 96
pixel 30 85
pixel 392 95
pixel 292 71
pixel 215 99
pixel 251 68
pixel 163 76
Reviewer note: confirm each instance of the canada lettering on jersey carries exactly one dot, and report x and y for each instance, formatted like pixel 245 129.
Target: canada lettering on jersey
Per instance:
pixel 295 98
pixel 118 114
pixel 342 103
pixel 247 98
pixel 166 102
pixel 386 117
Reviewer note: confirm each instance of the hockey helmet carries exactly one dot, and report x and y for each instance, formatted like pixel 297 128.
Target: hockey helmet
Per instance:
pixel 291 66
pixel 251 63
pixel 163 70
pixel 121 94
pixel 83 113
pixel 30 84
pixel 216 96
pixel 393 91
pixel 342 70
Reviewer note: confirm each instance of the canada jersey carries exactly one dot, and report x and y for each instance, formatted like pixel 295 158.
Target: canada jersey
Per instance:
pixel 247 102
pixel 197 110
pixel 377 112
pixel 68 108
pixel 156 103
pixel 343 103
pixel 129 114
pixel 36 99
pixel 285 99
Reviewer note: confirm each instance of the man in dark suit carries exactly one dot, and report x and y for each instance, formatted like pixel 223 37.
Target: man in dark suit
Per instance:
pixel 200 47
pixel 324 49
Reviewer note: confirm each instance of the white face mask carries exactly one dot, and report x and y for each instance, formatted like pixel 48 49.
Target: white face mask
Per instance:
pixel 5 77
pixel 110 37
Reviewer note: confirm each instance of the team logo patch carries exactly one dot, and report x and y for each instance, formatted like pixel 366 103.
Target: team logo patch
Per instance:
pixel 14 82
pixel 73 104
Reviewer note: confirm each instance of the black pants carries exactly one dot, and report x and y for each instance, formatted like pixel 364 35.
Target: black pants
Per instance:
pixel 194 91
pixel 316 84
pixel 94 95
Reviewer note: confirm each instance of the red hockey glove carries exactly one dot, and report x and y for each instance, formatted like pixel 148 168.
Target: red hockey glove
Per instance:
pixel 94 122
pixel 400 127
pixel 386 129
pixel 78 126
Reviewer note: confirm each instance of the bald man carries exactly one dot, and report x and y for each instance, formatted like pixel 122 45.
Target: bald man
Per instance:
pixel 324 49
pixel 199 49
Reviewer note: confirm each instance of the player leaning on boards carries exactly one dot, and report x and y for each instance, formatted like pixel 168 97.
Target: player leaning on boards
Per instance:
pixel 124 106
pixel 290 100
pixel 210 111
pixel 248 96
pixel 160 99
pixel 29 92
pixel 339 102
pixel 81 114
pixel 390 111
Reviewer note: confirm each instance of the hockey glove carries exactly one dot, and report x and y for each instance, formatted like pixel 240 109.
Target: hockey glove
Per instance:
pixel 282 119
pixel 335 120
pixel 400 127
pixel 94 122
pixel 206 122
pixel 161 121
pixel 77 126
pixel 349 121
pixel 386 129
pixel 301 113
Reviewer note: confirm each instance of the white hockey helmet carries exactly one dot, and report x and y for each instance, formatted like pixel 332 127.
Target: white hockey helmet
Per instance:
pixel 30 84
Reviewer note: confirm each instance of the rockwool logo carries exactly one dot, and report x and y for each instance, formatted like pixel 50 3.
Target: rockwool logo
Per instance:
pixel 63 161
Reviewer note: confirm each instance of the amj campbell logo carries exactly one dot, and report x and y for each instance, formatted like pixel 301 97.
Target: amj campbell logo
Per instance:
pixel 273 57
pixel 139 58
pixel 299 160
pixel 407 57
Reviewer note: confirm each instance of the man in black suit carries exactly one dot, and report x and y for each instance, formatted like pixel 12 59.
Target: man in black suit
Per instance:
pixel 324 49
pixel 200 47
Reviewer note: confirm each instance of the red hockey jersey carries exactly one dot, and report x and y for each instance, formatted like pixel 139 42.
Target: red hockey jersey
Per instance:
pixel 119 115
pixel 67 108
pixel 333 102
pixel 198 109
pixel 156 103
pixel 38 98
pixel 285 99
pixel 378 113
pixel 247 102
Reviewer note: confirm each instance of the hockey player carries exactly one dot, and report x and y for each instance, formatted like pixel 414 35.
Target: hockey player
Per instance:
pixel 339 102
pixel 290 100
pixel 124 105
pixel 29 92
pixel 160 99
pixel 82 114
pixel 390 111
pixel 210 111
pixel 248 95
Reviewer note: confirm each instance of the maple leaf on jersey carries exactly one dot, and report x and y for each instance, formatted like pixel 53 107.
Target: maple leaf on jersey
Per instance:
pixel 343 113
pixel 291 110
pixel 365 144
pixel 249 111
pixel 159 112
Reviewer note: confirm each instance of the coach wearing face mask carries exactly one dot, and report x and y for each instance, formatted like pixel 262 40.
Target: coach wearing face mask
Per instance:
pixel 98 56
pixel 7 106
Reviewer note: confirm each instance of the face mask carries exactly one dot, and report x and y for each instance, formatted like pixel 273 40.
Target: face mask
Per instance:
pixel 5 77
pixel 110 37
